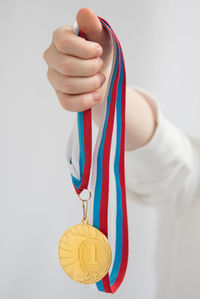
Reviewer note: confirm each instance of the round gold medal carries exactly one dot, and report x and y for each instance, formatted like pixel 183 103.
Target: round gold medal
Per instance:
pixel 84 253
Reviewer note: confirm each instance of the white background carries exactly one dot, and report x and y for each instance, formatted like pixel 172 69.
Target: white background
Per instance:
pixel 161 44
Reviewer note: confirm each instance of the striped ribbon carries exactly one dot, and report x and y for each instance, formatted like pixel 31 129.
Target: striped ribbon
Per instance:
pixel 105 213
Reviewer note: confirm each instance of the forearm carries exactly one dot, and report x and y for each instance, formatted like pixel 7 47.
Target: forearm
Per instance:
pixel 140 119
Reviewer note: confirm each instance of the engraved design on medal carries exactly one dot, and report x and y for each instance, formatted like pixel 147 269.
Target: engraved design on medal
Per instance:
pixel 84 253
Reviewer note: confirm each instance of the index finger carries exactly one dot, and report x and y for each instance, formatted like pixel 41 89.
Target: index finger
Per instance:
pixel 67 42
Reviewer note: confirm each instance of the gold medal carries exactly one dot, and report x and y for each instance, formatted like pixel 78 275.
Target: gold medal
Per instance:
pixel 84 251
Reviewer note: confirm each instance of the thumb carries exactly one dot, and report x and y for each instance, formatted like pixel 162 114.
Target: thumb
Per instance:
pixel 90 25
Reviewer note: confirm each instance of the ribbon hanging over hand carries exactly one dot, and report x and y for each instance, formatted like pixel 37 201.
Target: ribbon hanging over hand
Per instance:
pixel 80 161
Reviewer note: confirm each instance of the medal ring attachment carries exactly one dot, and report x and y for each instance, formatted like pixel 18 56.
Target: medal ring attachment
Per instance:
pixel 85 206
pixel 83 191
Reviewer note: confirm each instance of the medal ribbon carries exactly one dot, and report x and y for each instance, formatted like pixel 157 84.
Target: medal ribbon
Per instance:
pixel 80 145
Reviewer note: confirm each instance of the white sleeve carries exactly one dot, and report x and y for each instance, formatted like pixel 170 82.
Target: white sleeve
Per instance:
pixel 166 166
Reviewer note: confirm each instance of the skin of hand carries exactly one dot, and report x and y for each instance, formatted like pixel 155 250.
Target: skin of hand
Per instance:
pixel 79 69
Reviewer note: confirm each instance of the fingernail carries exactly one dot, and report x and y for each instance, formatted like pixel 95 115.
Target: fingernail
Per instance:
pixel 101 61
pixel 96 96
pixel 99 50
pixel 102 78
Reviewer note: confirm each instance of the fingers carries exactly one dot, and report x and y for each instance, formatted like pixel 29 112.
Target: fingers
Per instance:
pixel 67 42
pixel 77 103
pixel 75 85
pixel 74 66
pixel 70 65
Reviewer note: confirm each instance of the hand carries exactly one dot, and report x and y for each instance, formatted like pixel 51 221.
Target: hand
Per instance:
pixel 77 67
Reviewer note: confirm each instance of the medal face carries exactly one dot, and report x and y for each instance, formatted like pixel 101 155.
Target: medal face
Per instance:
pixel 84 253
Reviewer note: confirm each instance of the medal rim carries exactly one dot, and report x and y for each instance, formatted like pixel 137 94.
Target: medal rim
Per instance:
pixel 105 239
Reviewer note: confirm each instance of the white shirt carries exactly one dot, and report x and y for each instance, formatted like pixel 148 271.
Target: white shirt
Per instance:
pixel 163 199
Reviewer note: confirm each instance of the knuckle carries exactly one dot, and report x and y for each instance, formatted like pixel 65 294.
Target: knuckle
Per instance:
pixel 44 54
pixel 48 74
pixel 50 78
pixel 62 42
